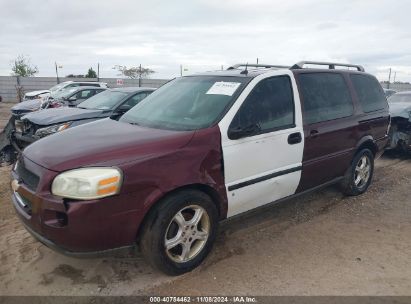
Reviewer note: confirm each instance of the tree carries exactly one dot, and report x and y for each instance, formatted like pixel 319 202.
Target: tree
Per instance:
pixel 133 72
pixel 21 66
pixel 91 73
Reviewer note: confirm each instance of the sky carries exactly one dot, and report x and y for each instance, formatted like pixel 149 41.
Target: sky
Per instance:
pixel 203 35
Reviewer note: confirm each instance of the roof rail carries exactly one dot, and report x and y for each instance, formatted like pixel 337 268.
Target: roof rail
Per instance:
pixel 267 66
pixel 331 65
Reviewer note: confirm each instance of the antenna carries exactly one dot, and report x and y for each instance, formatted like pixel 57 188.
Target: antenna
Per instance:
pixel 245 70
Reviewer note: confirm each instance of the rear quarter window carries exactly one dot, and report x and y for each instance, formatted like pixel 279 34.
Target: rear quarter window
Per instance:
pixel 369 92
pixel 325 97
pixel 90 84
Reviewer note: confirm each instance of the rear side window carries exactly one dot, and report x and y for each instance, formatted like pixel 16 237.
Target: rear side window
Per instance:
pixel 370 94
pixel 73 85
pixel 84 94
pixel 325 97
pixel 90 84
pixel 270 106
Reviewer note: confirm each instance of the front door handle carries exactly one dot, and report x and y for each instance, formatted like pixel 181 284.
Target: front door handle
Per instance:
pixel 294 138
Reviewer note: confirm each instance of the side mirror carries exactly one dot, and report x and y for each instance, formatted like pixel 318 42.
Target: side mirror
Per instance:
pixel 240 132
pixel 123 108
pixel 72 98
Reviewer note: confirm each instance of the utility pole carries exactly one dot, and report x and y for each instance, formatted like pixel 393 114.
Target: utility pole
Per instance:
pixel 395 75
pixel 57 73
pixel 139 76
pixel 257 60
pixel 98 71
pixel 389 79
pixel 181 70
pixel 222 67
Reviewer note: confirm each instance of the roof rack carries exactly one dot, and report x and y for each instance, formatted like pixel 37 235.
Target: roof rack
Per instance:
pixel 331 65
pixel 267 66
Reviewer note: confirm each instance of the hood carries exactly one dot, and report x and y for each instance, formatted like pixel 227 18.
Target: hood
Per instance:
pixel 400 109
pixel 104 142
pixel 35 93
pixel 28 105
pixel 60 115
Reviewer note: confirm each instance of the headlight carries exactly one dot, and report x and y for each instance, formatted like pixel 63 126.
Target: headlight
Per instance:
pixel 87 183
pixel 53 129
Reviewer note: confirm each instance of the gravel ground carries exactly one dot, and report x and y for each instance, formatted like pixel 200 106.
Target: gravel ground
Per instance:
pixel 320 244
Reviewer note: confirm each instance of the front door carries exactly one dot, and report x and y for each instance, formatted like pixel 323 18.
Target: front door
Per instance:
pixel 262 143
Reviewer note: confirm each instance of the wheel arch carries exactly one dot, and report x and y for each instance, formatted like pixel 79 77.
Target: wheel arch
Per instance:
pixel 207 189
pixel 367 142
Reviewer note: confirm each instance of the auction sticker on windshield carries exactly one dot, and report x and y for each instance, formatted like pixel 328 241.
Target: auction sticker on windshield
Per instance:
pixel 224 88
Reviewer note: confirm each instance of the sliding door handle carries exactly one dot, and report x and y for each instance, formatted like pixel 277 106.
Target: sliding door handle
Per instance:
pixel 314 133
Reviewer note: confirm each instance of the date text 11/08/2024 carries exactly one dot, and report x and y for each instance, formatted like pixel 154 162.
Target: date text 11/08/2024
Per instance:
pixel 205 299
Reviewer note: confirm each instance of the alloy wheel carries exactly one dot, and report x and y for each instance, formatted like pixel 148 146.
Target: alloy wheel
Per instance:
pixel 187 233
pixel 362 171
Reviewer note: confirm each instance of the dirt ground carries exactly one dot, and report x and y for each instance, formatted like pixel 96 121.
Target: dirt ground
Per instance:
pixel 320 244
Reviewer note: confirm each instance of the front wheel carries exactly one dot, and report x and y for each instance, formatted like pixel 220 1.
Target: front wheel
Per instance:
pixel 180 232
pixel 358 177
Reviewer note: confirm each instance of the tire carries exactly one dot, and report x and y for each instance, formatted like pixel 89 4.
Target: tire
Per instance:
pixel 350 184
pixel 169 222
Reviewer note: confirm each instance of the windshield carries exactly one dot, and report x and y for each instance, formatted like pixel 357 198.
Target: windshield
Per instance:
pixel 63 93
pixel 106 100
pixel 187 103
pixel 400 98
pixel 57 87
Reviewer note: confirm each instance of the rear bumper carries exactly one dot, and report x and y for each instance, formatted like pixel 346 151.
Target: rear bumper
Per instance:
pixel 381 144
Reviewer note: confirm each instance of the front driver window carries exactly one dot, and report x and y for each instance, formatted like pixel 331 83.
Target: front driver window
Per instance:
pixel 269 107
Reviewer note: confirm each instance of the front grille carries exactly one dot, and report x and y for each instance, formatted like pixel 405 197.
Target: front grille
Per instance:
pixel 19 113
pixel 30 179
pixel 16 112
pixel 29 128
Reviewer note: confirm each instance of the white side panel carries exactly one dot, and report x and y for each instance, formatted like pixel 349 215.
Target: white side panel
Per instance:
pixel 260 155
pixel 245 199
pixel 248 159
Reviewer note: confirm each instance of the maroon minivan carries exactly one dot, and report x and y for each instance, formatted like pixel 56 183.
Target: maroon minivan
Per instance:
pixel 198 150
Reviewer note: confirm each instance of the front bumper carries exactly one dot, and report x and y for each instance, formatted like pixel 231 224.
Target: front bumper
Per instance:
pixel 75 228
pixel 88 254
pixel 19 141
pixel 25 138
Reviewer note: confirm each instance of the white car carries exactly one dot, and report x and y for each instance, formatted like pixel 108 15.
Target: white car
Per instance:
pixel 43 94
pixel 36 94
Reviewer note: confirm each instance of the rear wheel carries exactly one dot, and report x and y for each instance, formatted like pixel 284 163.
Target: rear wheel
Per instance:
pixel 180 232
pixel 358 177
